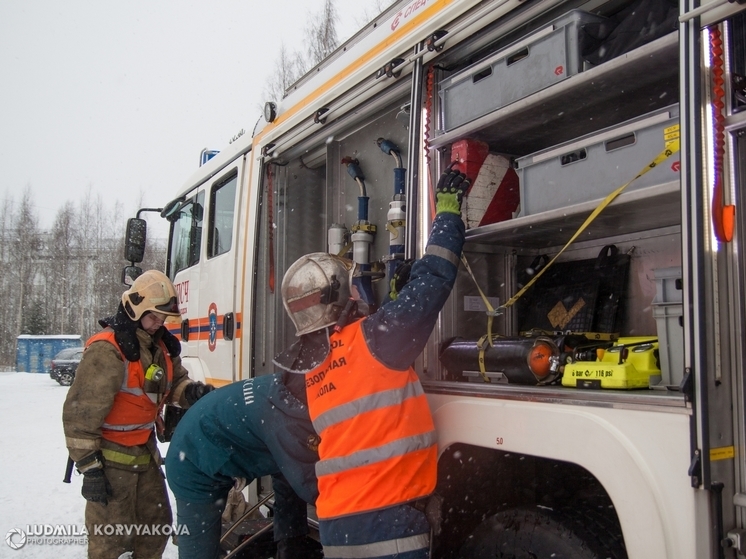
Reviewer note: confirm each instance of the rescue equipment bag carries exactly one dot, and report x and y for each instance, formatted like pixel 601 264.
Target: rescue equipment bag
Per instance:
pixel 577 296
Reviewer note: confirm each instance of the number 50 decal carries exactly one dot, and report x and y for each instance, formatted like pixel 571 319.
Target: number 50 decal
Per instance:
pixel 499 441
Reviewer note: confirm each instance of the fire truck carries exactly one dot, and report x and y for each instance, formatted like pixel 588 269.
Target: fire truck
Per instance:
pixel 586 376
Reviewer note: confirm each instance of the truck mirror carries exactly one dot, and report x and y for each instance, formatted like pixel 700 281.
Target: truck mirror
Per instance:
pixel 171 210
pixel 130 274
pixel 198 212
pixel 134 241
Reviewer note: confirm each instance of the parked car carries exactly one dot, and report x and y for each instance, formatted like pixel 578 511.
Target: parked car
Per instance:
pixel 63 366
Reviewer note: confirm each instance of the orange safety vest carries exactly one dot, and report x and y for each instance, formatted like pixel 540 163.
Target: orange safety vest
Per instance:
pixel 378 443
pixel 132 416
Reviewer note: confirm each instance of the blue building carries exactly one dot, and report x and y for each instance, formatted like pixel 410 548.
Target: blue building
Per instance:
pixel 33 353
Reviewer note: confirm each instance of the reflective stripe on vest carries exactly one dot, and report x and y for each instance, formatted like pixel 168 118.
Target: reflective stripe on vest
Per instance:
pixel 373 402
pixel 378 443
pixel 377 549
pixel 132 416
pixel 378 454
pixel 134 390
pixel 129 427
pixel 127 459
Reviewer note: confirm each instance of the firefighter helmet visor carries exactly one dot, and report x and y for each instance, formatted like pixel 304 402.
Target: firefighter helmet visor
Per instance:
pixel 315 290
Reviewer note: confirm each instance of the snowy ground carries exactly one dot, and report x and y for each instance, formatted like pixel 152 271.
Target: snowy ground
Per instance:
pixel 33 465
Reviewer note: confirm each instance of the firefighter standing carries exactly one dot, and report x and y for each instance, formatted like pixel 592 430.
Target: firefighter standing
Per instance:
pixel 378 450
pixel 128 371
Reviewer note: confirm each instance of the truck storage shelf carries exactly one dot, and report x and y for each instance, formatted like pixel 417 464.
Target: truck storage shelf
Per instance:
pixel 649 208
pixel 660 400
pixel 632 84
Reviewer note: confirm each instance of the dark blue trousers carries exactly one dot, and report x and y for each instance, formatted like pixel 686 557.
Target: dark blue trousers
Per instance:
pixel 203 520
pixel 362 534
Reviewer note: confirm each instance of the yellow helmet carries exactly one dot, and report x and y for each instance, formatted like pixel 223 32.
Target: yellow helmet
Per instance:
pixel 151 291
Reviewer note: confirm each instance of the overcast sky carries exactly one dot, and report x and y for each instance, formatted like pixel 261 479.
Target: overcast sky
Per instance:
pixel 121 97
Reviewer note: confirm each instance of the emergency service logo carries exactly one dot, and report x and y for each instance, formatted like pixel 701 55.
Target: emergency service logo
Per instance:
pixel 406 13
pixel 212 315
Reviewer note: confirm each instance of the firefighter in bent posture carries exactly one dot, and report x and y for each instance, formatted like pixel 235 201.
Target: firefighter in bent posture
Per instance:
pixel 129 370
pixel 378 450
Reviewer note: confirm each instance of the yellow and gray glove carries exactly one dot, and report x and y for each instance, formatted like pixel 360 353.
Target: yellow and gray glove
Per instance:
pixel 450 191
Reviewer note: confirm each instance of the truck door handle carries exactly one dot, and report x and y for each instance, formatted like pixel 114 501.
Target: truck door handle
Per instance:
pixel 185 330
pixel 228 326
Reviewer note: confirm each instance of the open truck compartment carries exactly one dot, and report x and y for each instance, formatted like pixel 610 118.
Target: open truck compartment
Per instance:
pixel 572 142
pixel 541 159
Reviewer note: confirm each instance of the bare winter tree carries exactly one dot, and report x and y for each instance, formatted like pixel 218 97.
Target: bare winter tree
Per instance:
pixel 288 68
pixel 372 10
pixel 24 246
pixel 321 33
pixel 106 289
pixel 100 236
pixel 82 276
pixel 80 280
pixel 320 39
pixel 7 322
pixel 58 275
pixel 63 280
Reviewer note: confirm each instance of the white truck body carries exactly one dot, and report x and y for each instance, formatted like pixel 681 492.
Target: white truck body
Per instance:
pixel 662 466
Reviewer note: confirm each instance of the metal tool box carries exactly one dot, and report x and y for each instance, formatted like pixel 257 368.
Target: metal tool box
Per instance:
pixel 593 166
pixel 532 63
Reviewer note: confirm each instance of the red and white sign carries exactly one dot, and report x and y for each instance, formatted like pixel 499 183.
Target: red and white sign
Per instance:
pixel 182 292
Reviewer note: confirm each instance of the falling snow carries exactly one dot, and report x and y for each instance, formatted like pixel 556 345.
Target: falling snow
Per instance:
pixel 33 465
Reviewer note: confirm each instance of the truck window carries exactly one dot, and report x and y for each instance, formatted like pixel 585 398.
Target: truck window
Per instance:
pixel 186 235
pixel 222 209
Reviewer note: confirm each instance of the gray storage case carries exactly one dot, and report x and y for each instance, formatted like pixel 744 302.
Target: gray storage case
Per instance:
pixel 593 166
pixel 668 312
pixel 534 62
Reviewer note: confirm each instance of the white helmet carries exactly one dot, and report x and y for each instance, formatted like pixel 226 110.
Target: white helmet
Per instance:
pixel 151 291
pixel 315 290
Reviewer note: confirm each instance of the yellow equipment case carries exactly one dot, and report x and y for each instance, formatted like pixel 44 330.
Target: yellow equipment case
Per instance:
pixel 629 363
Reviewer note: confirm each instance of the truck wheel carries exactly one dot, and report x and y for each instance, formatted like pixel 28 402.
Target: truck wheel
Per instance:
pixel 543 534
pixel 65 378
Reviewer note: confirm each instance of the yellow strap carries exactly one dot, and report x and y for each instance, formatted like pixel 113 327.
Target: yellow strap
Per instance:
pixel 491 313
pixel 482 368
pixel 393 227
pixel 345 250
pixel 672 146
pixel 126 459
pixel 604 336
